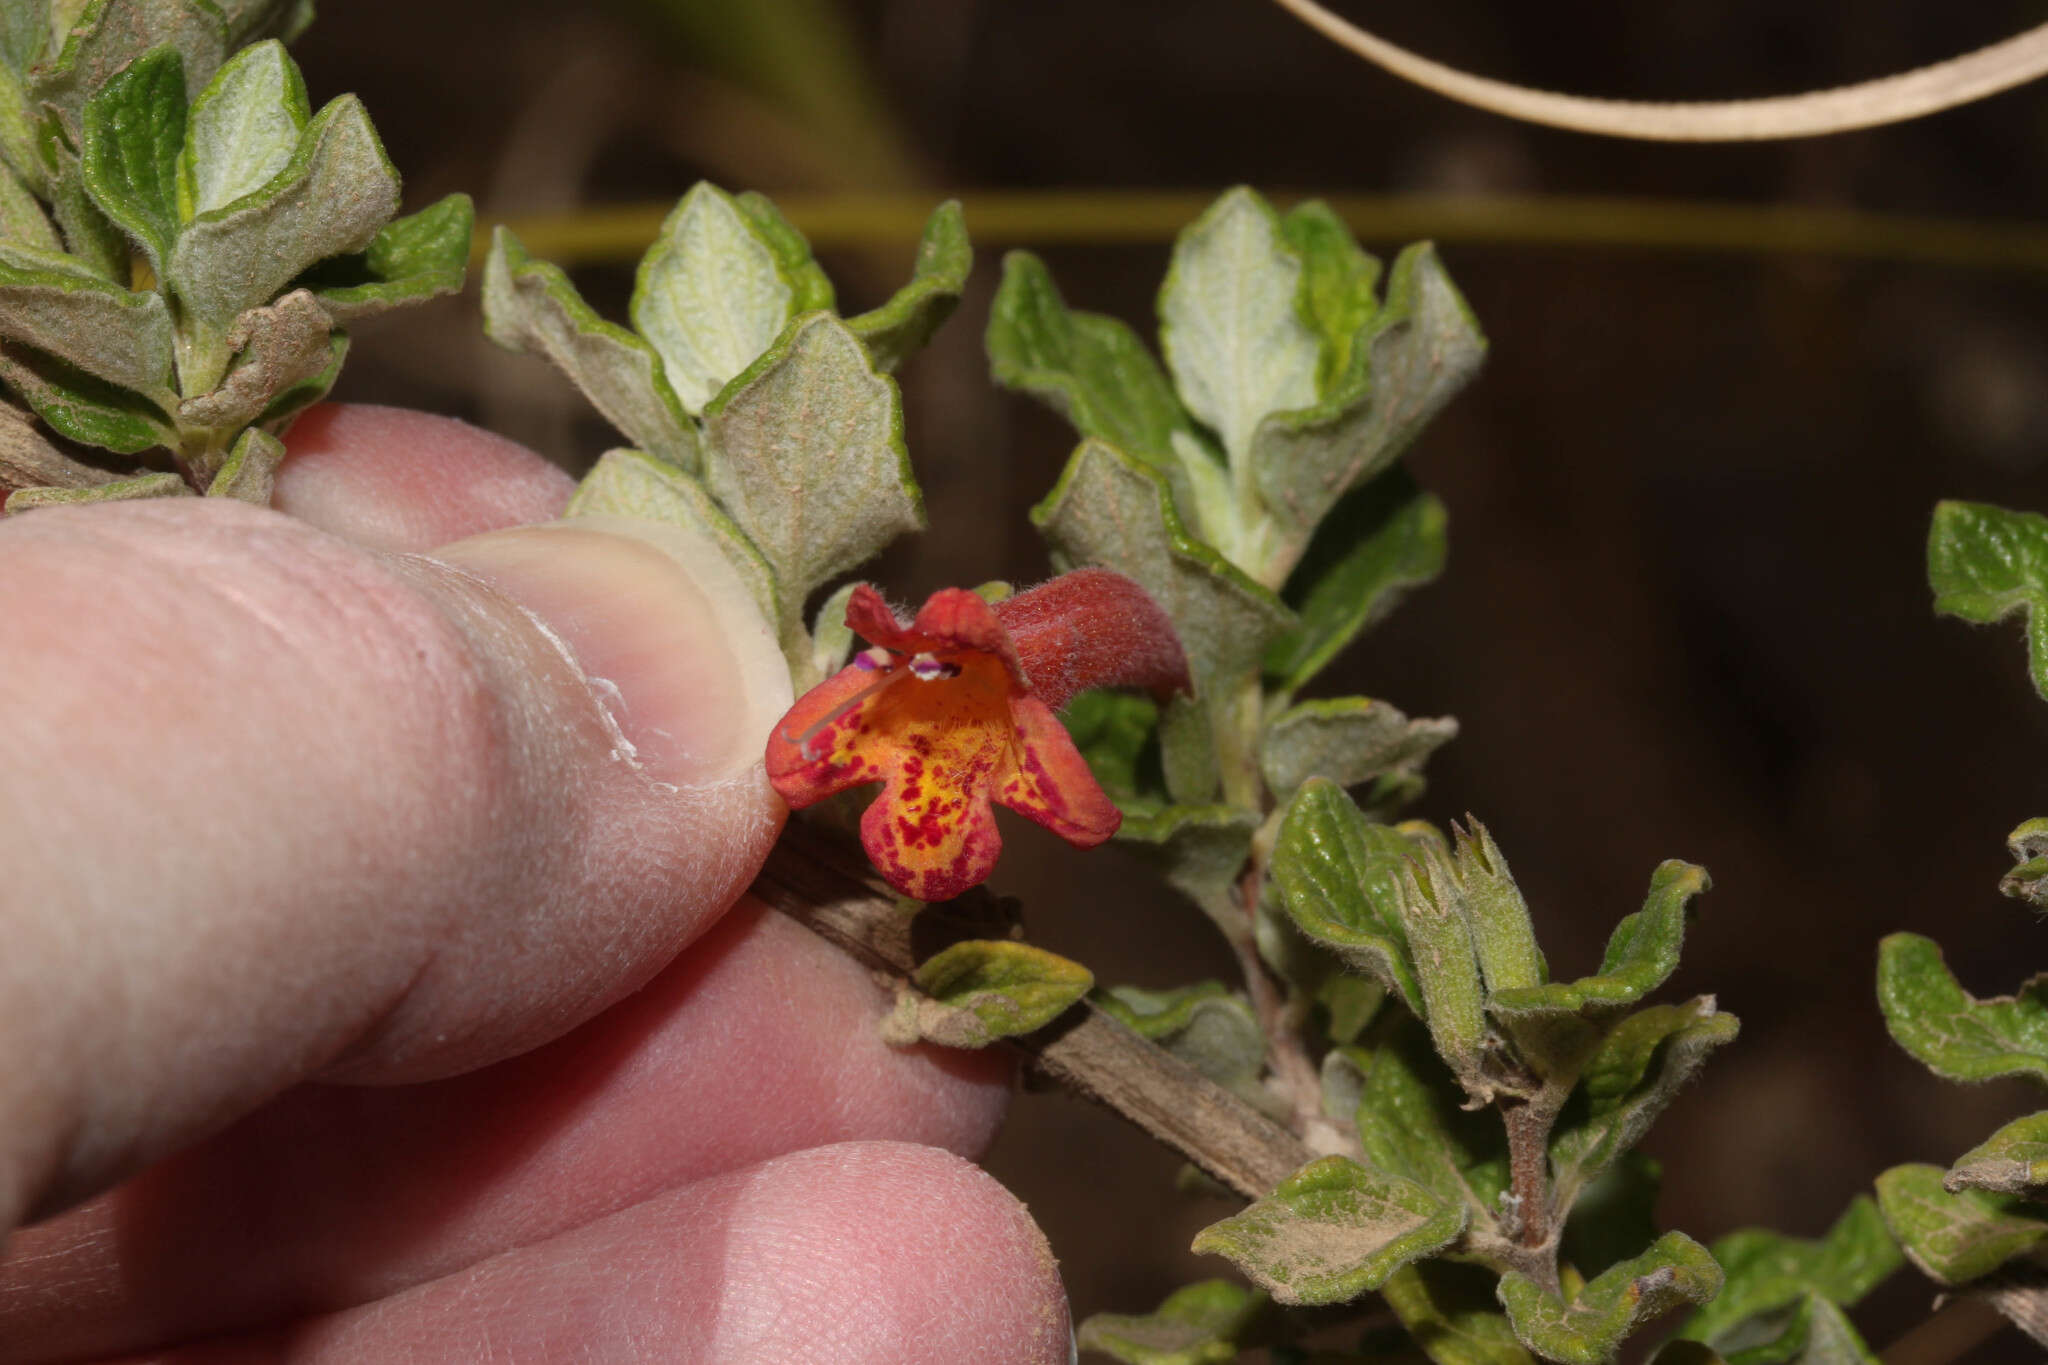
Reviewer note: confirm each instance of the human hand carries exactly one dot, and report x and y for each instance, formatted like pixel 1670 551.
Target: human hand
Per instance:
pixel 281 804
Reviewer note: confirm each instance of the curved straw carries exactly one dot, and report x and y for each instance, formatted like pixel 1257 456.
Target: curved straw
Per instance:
pixel 1891 99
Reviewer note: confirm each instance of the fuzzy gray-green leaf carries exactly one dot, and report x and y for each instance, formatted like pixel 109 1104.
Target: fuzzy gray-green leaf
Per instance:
pixel 1642 952
pixel 805 451
pixel 2028 880
pixel 1768 1271
pixel 242 130
pixel 1200 1324
pixel 250 471
pixel 1411 1121
pixel 1200 850
pixel 1445 957
pixel 28 460
pixel 1337 297
pixel 1379 543
pixel 120 490
pixel 628 483
pixel 54 304
pixel 334 194
pixel 990 989
pixel 1092 369
pixel 810 289
pixel 1110 509
pixel 22 219
pixel 708 295
pixel 1332 1231
pixel 1956 1238
pixel 107 35
pixel 1633 1076
pixel 80 406
pixel 412 259
pixel 134 129
pixel 901 327
pixel 2013 1160
pixel 1954 1034
pixel 1985 563
pixel 1348 740
pixel 1227 321
pixel 1425 346
pixel 530 305
pixel 1591 1328
pixel 1338 873
pixel 1204 1025
pixel 276 349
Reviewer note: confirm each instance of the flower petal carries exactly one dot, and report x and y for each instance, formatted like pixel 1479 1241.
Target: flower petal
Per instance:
pixel 1049 782
pixel 818 748
pixel 869 617
pixel 929 839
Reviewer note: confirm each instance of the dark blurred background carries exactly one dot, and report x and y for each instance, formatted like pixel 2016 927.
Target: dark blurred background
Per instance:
pixel 1685 613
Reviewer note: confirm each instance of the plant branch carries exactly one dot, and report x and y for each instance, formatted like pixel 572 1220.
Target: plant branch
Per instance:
pixel 1891 99
pixel 816 882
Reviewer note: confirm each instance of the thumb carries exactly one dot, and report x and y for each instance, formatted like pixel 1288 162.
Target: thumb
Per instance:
pixel 274 806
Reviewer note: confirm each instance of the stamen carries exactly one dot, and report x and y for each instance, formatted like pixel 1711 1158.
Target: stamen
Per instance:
pixel 931 668
pixel 803 741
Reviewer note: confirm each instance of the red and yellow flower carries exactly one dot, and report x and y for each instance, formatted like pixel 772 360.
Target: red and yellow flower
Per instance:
pixel 954 712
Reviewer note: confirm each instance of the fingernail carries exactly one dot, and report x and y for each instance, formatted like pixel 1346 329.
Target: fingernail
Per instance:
pixel 673 646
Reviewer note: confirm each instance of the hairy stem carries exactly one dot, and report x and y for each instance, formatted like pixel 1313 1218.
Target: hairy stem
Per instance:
pixel 1281 1015
pixel 821 885
pixel 1534 1231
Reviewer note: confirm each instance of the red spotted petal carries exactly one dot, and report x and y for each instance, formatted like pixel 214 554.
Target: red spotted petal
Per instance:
pixel 817 749
pixel 1051 783
pixel 934 847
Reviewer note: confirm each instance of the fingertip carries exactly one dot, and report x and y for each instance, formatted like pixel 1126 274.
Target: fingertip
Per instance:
pixel 403 481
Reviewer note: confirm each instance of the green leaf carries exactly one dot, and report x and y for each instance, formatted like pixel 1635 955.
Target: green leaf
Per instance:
pixel 709 295
pixel 1473 879
pixel 1112 730
pixel 1109 509
pixel 56 305
pixel 276 349
pixel 277 418
pixel 242 130
pixel 1091 369
pixel 1819 1334
pixel 27 460
pixel 627 483
pixel 1349 740
pixel 1337 296
pixel 77 405
pixel 1450 1312
pixel 1954 1238
pixel 250 471
pixel 1227 321
pixel 334 194
pixel 24 33
pixel 1642 952
pixel 810 289
pixel 901 327
pixel 1591 1328
pixel 2028 881
pixel 1411 1122
pixel 1443 950
pixel 1337 873
pixel 415 258
pixel 530 305
pixel 990 989
pixel 2013 1160
pixel 805 450
pixel 94 242
pixel 1614 1216
pixel 1425 346
pixel 1986 563
pixel 1200 850
pixel 1955 1035
pixel 1204 1025
pixel 250 21
pixel 108 35
pixel 1332 1231
pixel 832 640
pixel 22 220
pixel 1379 543
pixel 1768 1271
pixel 1200 1324
pixel 1638 1069
pixel 120 490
